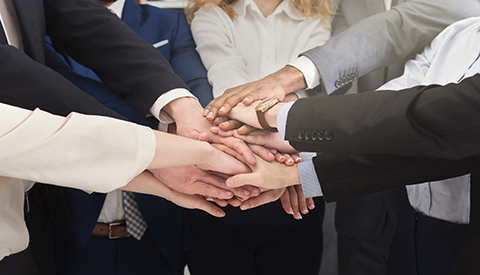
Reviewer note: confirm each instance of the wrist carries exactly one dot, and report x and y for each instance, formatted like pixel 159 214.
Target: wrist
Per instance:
pixel 271 115
pixel 177 108
pixel 291 79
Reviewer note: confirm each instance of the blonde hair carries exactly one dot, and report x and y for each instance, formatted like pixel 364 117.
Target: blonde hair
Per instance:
pixel 307 8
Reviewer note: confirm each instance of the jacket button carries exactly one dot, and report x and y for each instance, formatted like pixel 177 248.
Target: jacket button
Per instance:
pixel 307 135
pixel 301 134
pixel 328 135
pixel 314 135
pixel 338 84
pixel 320 136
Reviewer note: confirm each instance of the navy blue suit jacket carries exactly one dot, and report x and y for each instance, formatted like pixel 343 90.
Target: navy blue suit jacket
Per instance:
pixel 165 220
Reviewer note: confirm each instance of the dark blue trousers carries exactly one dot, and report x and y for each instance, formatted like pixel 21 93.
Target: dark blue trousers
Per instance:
pixel 123 256
pixel 424 245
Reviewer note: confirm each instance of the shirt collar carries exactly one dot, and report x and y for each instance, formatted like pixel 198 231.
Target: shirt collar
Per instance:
pixel 117 7
pixel 241 6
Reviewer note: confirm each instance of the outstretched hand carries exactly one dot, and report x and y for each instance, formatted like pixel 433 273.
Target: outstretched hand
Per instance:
pixel 146 183
pixel 278 85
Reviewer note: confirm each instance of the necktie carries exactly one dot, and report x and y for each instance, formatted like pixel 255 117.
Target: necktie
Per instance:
pixel 136 226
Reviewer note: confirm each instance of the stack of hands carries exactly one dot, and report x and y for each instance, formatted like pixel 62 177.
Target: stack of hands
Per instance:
pixel 244 166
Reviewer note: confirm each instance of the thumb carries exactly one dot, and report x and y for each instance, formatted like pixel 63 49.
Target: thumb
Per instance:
pixel 244 179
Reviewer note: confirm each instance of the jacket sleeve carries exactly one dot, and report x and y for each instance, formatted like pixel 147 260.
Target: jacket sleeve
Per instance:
pixel 424 121
pixel 75 151
pixel 97 39
pixel 382 39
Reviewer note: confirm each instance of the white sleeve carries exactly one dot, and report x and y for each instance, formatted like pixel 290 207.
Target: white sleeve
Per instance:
pixel 86 152
pixel 225 64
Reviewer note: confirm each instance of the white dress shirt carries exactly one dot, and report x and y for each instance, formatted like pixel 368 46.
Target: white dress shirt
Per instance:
pixel 452 56
pixel 76 151
pixel 252 46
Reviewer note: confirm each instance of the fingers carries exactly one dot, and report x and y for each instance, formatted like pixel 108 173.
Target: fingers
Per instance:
pixel 302 204
pixel 241 147
pixel 262 152
pixel 294 201
pixel 222 104
pixel 197 202
pixel 220 119
pixel 310 203
pixel 208 190
pixel 263 198
pixel 229 125
pixel 286 205
pixel 246 129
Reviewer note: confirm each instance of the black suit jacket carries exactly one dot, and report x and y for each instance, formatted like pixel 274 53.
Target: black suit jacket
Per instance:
pixel 95 38
pixel 375 141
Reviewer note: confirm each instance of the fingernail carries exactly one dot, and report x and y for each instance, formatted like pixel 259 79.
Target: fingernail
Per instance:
pixel 298 216
pixel 214 129
pixel 290 211
pixel 245 99
pixel 256 190
pixel 311 206
pixel 246 192
pixel 220 213
pixel 254 160
pixel 298 159
pixel 270 155
pixel 243 128
pixel 229 182
pixel 205 112
pixel 244 206
pixel 305 211
pixel 222 109
pixel 230 194
pixel 290 161
pixel 210 115
pixel 282 158
pixel 224 123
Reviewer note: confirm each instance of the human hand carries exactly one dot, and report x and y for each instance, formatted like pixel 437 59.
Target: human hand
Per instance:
pixel 146 183
pixel 294 202
pixel 268 139
pixel 277 85
pixel 266 175
pixel 193 180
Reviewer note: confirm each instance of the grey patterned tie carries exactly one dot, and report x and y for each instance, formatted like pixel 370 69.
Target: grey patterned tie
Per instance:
pixel 136 226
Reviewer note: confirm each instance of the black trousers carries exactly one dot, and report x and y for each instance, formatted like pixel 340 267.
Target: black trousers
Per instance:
pixel 258 241
pixel 424 245
pixel 18 264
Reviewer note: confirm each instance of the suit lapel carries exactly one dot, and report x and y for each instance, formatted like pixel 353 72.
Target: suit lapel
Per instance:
pixel 131 15
pixel 31 18
pixel 3 38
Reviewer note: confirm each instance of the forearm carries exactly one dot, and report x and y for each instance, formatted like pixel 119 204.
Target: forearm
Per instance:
pixel 174 150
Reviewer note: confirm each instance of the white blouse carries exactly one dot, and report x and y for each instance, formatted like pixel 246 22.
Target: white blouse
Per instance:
pixel 252 46
pixel 87 152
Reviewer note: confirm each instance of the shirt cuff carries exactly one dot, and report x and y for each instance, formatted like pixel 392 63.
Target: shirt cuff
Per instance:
pixel 163 100
pixel 282 118
pixel 309 71
pixel 308 176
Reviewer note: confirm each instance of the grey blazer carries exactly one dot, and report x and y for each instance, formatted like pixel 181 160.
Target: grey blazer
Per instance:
pixel 362 45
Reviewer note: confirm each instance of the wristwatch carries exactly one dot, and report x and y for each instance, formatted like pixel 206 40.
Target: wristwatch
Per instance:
pixel 261 108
